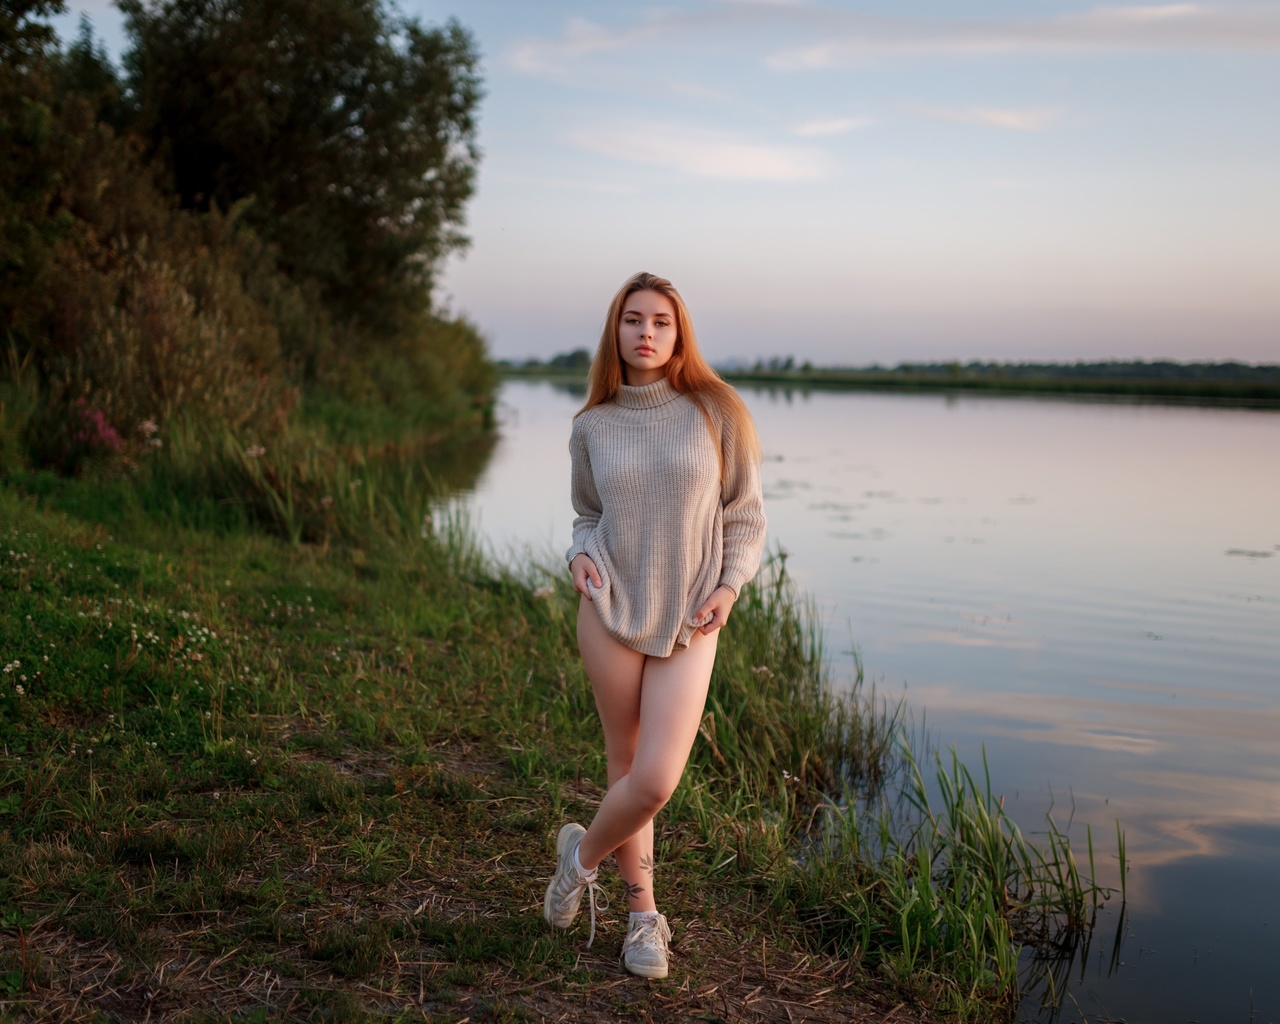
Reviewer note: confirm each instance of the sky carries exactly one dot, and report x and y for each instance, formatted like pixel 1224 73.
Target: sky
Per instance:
pixel 878 181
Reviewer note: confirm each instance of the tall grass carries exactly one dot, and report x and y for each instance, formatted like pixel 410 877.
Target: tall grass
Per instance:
pixel 303 485
pixel 955 891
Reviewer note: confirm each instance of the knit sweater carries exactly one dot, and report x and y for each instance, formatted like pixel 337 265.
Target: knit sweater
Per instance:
pixel 654 516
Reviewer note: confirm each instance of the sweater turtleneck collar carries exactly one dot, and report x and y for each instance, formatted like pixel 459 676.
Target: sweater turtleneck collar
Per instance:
pixel 660 392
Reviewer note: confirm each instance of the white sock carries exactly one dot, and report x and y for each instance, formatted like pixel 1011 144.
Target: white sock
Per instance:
pixel 640 915
pixel 587 876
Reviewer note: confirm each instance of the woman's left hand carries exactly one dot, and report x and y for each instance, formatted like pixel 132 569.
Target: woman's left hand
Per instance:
pixel 717 607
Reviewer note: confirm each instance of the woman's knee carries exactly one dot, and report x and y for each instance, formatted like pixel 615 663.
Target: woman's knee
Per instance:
pixel 618 767
pixel 652 790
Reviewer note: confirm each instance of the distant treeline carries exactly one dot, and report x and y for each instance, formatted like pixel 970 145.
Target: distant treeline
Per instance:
pixel 243 221
pixel 1228 381
pixel 1225 381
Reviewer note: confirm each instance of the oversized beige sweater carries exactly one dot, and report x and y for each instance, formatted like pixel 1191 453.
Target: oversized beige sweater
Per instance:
pixel 654 517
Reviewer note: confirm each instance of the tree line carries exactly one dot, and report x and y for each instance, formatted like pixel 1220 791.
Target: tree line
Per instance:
pixel 244 219
pixel 1226 380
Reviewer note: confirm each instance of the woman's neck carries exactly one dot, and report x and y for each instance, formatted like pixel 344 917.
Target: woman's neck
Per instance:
pixel 642 378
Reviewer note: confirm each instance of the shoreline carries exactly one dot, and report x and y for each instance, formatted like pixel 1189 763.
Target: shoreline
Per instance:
pixel 1236 394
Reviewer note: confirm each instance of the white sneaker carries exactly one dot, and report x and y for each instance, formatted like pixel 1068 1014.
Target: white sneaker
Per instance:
pixel 647 946
pixel 564 894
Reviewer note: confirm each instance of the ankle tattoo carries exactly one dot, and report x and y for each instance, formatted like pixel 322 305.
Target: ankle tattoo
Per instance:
pixel 633 890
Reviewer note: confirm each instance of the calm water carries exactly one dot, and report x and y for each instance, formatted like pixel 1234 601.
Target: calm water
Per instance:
pixel 1090 590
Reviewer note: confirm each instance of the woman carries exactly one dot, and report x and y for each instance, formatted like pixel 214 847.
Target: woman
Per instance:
pixel 670 526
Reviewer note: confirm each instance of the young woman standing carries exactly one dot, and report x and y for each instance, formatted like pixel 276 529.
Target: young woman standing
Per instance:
pixel 670 527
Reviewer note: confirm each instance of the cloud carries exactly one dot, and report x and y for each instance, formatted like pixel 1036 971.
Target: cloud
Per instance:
pixel 830 126
pixel 843 37
pixel 573 184
pixel 1162 12
pixel 703 154
pixel 554 57
pixel 549 58
pixel 1033 120
pixel 1163 27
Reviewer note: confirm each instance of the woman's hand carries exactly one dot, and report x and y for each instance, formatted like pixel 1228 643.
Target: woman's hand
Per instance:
pixel 714 612
pixel 581 569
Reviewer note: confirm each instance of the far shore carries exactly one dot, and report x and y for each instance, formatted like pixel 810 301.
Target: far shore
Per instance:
pixel 1246 386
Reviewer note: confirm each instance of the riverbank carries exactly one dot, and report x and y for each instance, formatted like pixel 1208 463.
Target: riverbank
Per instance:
pixel 242 776
pixel 257 778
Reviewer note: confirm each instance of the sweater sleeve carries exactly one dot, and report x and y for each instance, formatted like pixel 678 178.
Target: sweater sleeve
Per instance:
pixel 744 519
pixel 582 492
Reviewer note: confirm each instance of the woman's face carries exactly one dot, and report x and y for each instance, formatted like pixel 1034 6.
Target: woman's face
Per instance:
pixel 646 336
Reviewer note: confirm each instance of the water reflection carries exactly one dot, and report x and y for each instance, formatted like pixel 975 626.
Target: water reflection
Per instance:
pixel 1133 760
pixel 1085 590
pixel 459 466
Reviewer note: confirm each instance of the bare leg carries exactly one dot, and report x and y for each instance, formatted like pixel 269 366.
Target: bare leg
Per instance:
pixel 671 694
pixel 615 671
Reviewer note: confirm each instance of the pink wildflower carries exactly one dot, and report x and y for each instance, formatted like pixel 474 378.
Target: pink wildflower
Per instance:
pixel 95 431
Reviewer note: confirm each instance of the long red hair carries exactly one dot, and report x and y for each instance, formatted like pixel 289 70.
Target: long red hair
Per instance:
pixel 687 371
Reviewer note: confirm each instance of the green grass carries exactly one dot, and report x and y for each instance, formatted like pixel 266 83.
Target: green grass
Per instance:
pixel 315 775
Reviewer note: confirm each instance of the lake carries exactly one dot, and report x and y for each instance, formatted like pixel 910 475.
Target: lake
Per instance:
pixel 1089 591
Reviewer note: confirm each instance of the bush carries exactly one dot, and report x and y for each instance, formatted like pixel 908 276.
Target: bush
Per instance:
pixel 138 340
pixel 120 309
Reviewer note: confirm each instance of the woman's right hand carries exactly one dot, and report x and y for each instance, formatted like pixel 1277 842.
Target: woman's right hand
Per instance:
pixel 581 569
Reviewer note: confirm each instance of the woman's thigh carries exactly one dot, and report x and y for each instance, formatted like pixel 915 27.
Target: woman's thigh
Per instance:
pixel 673 696
pixel 616 673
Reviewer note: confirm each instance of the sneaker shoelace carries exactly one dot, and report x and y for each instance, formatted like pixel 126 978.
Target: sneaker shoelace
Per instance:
pixel 592 888
pixel 650 931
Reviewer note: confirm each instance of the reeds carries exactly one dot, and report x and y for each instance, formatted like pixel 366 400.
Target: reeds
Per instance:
pixel 302 485
pixel 936 887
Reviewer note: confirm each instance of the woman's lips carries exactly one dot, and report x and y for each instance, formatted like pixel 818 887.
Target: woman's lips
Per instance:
pixel 644 350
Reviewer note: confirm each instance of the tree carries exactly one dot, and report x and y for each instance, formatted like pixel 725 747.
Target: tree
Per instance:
pixel 34 155
pixel 352 129
pixel 86 70
pixel 578 359
pixel 23 41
